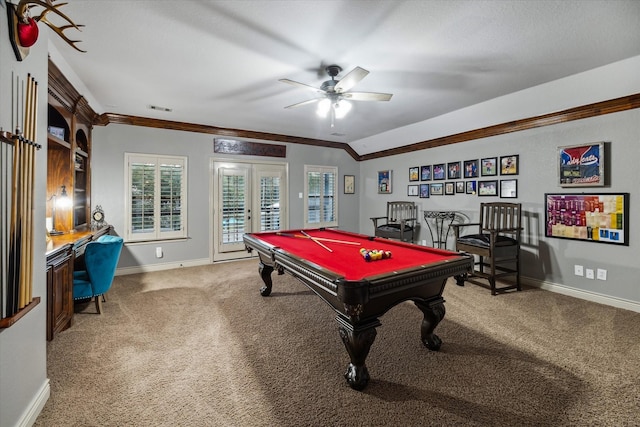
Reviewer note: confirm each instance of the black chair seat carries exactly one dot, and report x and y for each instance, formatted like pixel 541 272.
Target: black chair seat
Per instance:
pixel 483 240
pixel 394 227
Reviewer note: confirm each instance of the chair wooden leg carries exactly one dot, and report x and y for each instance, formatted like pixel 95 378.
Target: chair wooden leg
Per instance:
pixel 99 304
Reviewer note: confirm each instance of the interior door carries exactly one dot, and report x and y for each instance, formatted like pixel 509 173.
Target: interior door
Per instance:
pixel 247 197
pixel 233 207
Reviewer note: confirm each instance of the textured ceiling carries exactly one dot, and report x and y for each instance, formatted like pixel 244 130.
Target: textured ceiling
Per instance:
pixel 218 63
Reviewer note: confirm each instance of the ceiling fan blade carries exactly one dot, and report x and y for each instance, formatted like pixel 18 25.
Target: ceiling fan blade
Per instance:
pixel 367 96
pixel 302 85
pixel 351 79
pixel 300 104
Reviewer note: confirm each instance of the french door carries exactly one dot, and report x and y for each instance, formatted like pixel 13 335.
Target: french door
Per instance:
pixel 247 197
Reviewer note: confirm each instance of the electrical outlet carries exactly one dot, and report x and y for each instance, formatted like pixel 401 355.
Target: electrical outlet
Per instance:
pixel 601 274
pixel 578 270
pixel 159 252
pixel 590 273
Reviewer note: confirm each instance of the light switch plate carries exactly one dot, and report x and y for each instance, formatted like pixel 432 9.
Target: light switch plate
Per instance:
pixel 601 274
pixel 590 273
pixel 578 270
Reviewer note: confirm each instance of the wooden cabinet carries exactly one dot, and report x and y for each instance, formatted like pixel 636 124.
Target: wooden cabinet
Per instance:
pixel 59 290
pixel 64 255
pixel 70 121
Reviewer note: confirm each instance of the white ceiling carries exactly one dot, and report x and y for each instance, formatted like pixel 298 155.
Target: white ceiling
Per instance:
pixel 218 63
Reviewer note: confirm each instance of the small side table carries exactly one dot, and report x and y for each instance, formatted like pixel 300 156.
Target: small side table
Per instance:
pixel 441 219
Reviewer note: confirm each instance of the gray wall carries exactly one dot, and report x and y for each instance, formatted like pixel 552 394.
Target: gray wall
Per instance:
pixel 544 259
pixel 108 174
pixel 23 376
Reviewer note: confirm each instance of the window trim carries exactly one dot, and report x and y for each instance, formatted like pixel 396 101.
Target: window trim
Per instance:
pixel 157 234
pixel 321 169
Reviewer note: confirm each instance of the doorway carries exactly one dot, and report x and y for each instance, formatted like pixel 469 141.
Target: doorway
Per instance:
pixel 246 197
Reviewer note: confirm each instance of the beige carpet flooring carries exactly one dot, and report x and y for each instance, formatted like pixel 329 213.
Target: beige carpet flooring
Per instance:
pixel 200 347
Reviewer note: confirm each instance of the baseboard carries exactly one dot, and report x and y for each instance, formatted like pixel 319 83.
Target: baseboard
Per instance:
pixel 582 294
pixel 162 266
pixel 32 412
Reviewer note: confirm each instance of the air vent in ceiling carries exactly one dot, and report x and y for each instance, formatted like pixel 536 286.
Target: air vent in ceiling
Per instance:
pixel 155 107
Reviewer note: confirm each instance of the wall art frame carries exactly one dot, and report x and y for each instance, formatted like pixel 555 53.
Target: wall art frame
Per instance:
pixel 437 189
pixel 582 165
pixel 508 188
pixel 453 170
pixel 488 166
pixel 425 173
pixel 470 168
pixel 414 173
pixel 439 172
pixel 509 165
pixel 385 179
pixel 349 184
pixel 471 187
pixel 488 188
pixel 593 217
pixel 424 191
pixel 413 189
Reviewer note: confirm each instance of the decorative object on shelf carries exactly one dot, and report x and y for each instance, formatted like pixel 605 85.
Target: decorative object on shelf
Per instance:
pixel 349 184
pixel 488 166
pixel 23 29
pixel 581 165
pixel 597 217
pixel 60 201
pixel 384 182
pixel 508 188
pixel 97 218
pixel 414 174
pixel 56 131
pixel 488 188
pixel 509 165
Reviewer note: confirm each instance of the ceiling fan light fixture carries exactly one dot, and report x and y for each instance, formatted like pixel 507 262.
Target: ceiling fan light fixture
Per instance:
pixel 323 107
pixel 341 108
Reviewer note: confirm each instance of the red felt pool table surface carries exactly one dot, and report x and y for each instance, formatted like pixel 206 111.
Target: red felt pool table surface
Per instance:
pixel 346 259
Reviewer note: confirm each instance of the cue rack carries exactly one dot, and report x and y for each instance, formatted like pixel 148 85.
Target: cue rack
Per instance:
pixel 17 176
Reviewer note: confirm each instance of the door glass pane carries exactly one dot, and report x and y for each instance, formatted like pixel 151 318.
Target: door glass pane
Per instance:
pixel 328 205
pixel 233 208
pixel 313 202
pixel 269 203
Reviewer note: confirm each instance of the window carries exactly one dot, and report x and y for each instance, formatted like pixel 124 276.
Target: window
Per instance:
pixel 156 189
pixel 321 207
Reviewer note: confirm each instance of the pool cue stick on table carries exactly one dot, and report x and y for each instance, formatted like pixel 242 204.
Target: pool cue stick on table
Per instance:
pixel 322 239
pixel 316 241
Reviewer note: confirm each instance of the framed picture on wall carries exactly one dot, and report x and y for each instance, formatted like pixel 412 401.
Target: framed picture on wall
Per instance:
pixel 508 188
pixel 437 189
pixel 384 182
pixel 425 173
pixel 439 171
pixel 581 165
pixel 412 190
pixel 488 188
pixel 470 168
pixel 424 191
pixel 488 166
pixel 459 186
pixel 414 174
pixel 509 165
pixel 471 187
pixel 349 184
pixel 449 188
pixel 453 170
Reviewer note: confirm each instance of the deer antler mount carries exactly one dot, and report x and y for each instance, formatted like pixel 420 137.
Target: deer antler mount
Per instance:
pixel 23 28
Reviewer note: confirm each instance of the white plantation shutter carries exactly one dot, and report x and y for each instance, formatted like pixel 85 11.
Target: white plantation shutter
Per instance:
pixel 321 208
pixel 270 203
pixel 156 197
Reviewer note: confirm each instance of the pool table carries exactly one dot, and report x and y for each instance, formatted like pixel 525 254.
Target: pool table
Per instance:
pixel 331 264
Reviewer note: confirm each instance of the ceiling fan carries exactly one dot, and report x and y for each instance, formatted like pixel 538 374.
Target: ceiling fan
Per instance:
pixel 334 94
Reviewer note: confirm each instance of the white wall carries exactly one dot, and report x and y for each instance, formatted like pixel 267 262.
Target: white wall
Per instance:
pixel 24 386
pixel 548 260
pixel 107 187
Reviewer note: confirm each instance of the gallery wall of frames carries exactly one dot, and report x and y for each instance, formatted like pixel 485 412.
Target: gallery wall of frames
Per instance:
pixel 489 176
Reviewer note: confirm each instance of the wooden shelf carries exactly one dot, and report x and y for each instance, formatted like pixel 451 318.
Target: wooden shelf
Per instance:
pixel 9 321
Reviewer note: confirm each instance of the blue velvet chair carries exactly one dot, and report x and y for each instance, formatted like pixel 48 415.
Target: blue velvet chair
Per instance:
pixel 100 258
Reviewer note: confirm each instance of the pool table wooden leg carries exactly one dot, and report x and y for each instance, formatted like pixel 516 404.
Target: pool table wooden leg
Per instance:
pixel 433 313
pixel 265 273
pixel 358 340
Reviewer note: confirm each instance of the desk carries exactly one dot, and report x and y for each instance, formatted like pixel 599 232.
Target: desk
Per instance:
pixel 63 252
pixel 361 291
pixel 441 219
